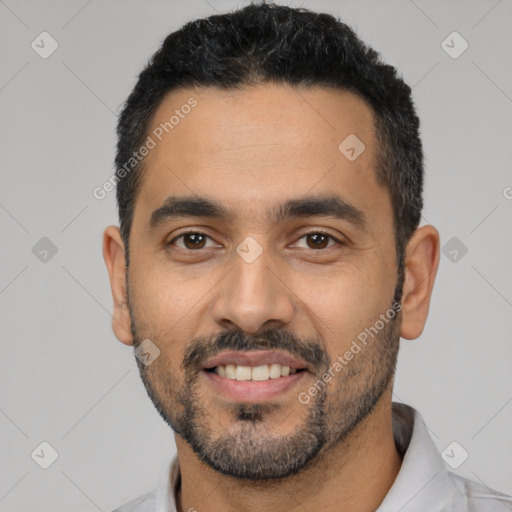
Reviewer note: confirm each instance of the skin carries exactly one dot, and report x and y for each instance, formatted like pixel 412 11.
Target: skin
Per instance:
pixel 250 150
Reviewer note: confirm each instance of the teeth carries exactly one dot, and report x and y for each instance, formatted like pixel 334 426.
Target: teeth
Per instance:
pixel 260 372
pixel 230 371
pixel 257 373
pixel 275 371
pixel 243 373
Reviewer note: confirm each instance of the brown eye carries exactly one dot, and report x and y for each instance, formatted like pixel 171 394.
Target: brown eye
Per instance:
pixel 194 241
pixel 318 240
pixel 190 241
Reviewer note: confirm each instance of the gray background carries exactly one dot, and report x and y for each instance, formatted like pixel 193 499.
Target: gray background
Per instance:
pixel 66 380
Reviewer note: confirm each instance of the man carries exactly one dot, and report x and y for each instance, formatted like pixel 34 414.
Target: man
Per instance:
pixel 269 183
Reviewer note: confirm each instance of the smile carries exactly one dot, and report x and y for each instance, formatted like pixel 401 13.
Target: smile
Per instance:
pixel 258 373
pixel 255 375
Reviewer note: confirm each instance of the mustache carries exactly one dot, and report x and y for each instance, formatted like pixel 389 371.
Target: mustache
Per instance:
pixel 201 349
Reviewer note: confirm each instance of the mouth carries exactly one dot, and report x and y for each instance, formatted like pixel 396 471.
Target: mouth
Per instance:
pixel 253 376
pixel 255 373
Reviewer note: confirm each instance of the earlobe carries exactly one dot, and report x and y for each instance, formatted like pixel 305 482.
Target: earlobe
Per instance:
pixel 421 263
pixel 114 256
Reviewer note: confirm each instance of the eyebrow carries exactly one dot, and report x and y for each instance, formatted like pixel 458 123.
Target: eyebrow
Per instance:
pixel 175 207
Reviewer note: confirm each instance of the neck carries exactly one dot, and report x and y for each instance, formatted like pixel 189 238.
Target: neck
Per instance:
pixel 355 475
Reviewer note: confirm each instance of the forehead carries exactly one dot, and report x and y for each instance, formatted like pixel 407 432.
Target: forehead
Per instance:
pixel 253 148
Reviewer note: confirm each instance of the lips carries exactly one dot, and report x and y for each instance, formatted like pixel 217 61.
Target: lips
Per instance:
pixel 251 376
pixel 254 391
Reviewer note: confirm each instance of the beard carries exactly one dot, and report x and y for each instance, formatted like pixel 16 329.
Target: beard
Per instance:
pixel 249 447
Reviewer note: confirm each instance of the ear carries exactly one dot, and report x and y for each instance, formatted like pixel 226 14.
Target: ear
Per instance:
pixel 421 262
pixel 114 256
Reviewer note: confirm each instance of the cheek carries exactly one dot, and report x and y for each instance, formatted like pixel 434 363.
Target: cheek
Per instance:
pixel 161 301
pixel 345 302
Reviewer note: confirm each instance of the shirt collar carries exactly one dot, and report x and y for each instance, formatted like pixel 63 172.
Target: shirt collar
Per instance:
pixel 423 483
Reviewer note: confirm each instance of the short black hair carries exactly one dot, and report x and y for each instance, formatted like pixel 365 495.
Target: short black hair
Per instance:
pixel 268 43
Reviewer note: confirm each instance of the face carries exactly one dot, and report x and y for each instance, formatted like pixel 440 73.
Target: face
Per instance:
pixel 260 250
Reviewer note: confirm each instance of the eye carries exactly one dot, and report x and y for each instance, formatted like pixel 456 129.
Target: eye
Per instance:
pixel 195 240
pixel 192 240
pixel 319 240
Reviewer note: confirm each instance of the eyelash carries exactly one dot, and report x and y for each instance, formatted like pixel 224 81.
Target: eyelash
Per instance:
pixel 316 232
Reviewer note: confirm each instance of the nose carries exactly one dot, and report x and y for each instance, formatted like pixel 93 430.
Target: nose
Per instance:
pixel 253 296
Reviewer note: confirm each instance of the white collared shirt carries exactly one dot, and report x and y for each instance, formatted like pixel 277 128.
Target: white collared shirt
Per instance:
pixel 423 483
